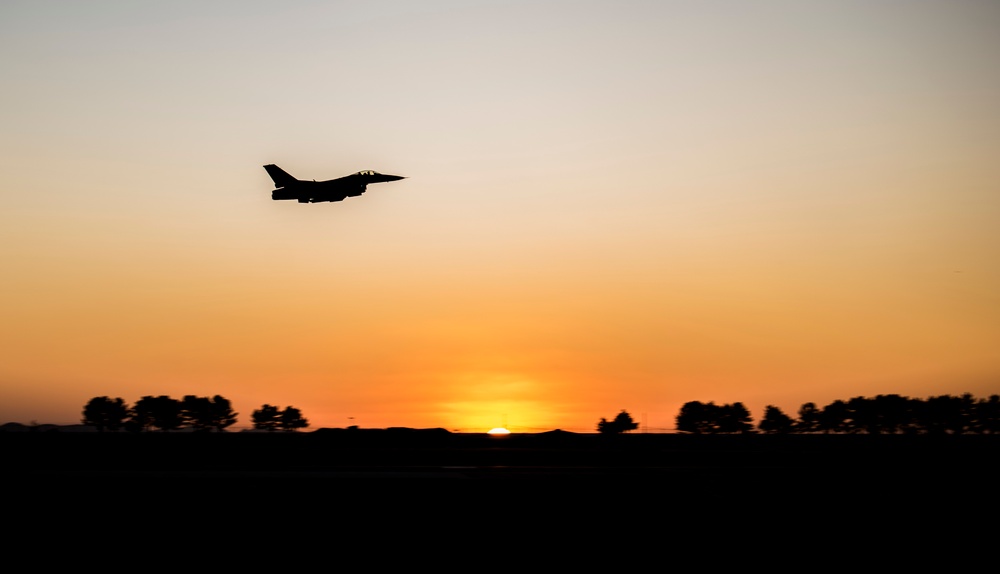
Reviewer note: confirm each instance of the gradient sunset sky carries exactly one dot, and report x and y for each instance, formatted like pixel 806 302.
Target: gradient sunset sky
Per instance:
pixel 609 205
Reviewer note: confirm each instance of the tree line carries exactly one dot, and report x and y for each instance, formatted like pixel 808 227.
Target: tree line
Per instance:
pixel 882 414
pixel 200 414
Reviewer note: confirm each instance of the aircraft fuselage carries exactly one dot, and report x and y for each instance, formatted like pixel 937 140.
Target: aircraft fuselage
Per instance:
pixel 305 191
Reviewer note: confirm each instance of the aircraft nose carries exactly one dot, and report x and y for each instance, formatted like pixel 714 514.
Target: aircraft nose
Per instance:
pixel 393 177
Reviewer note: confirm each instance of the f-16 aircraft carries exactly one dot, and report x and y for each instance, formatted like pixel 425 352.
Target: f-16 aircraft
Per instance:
pixel 305 191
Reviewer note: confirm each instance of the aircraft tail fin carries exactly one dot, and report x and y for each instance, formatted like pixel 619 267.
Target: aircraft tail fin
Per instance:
pixel 281 177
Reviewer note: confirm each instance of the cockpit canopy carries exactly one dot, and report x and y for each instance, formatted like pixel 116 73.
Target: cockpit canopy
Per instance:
pixel 367 172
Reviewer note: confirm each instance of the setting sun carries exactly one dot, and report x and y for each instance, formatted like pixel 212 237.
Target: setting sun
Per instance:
pixel 498 431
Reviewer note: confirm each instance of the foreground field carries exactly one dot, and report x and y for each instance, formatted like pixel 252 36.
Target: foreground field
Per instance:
pixel 399 482
pixel 435 453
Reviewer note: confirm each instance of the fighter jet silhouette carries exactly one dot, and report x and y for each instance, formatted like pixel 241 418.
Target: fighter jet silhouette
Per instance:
pixel 304 191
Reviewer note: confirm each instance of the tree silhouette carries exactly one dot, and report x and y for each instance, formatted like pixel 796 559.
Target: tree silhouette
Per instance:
pixel 861 416
pixel 267 417
pixel 696 417
pixel 775 421
pixel 104 413
pixel 833 417
pixel 224 415
pixel 204 414
pixel 622 423
pixel 291 420
pixel 882 414
pixel 946 414
pixel 160 412
pixel 809 415
pixel 271 418
pixel 889 414
pixel 988 415
pixel 709 418
pixel 734 418
pixel 893 414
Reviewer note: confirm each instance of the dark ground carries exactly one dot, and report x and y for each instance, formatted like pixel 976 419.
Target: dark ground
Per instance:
pixel 674 490
pixel 403 455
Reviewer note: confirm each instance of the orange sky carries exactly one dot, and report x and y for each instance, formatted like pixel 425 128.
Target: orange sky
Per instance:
pixel 644 205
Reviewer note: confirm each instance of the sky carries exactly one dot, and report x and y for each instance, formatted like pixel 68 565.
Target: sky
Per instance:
pixel 608 206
